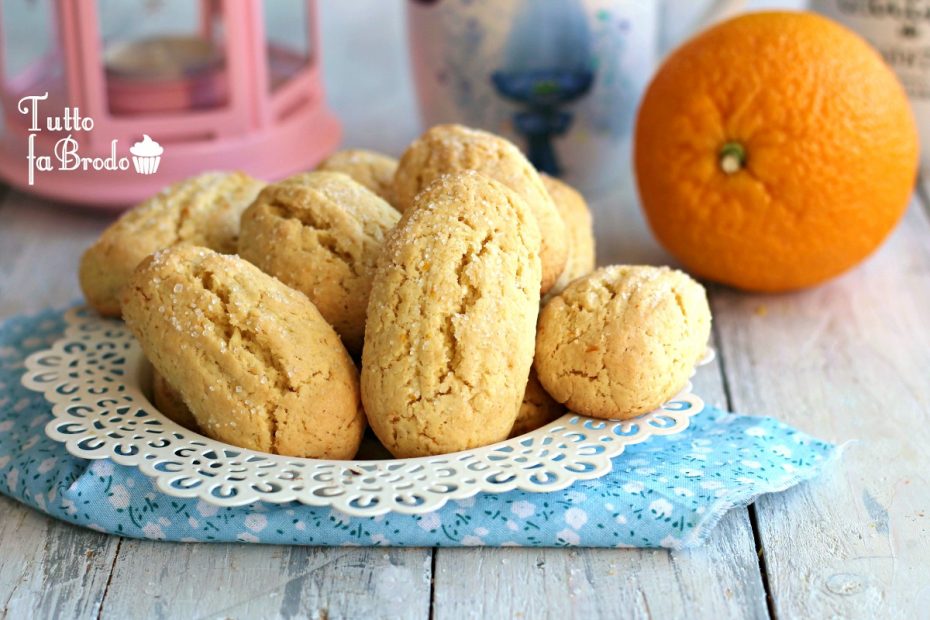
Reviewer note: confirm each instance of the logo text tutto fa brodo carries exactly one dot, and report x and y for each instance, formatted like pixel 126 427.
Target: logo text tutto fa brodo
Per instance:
pixel 66 156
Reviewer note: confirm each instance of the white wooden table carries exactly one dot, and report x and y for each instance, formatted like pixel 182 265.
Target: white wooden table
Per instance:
pixel 847 361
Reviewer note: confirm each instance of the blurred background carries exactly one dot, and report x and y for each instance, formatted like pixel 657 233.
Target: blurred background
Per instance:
pixel 272 87
pixel 349 47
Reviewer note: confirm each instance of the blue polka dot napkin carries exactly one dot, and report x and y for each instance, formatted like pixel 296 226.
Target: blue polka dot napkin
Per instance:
pixel 666 492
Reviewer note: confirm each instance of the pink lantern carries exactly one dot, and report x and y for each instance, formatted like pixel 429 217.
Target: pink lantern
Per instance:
pixel 105 102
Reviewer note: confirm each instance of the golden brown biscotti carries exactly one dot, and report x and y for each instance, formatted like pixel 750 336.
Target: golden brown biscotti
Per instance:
pixel 577 217
pixel 537 410
pixel 451 319
pixel 253 359
pixel 167 400
pixel 374 171
pixel 452 148
pixel 321 233
pixel 622 341
pixel 203 210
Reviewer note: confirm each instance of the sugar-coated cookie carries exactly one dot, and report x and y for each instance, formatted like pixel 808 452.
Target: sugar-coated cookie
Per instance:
pixel 451 148
pixel 253 359
pixel 538 408
pixel 321 233
pixel 203 210
pixel 577 218
pixel 167 400
pixel 451 319
pixel 622 341
pixel 373 170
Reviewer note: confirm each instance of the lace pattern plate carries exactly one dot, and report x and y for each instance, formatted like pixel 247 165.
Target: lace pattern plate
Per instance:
pixel 96 377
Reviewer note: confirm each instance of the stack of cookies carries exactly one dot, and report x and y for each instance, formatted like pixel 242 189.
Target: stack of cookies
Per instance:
pixel 458 279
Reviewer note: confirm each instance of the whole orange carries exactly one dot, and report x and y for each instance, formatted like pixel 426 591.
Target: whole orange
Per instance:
pixel 774 151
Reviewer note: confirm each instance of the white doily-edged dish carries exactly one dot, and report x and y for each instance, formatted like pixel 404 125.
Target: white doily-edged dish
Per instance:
pixel 96 376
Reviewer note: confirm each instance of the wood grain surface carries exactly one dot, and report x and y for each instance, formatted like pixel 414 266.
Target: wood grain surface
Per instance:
pixel 849 361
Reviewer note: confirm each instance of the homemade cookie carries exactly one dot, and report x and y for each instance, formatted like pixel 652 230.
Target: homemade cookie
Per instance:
pixel 452 148
pixel 203 210
pixel 167 400
pixel 538 408
pixel 577 218
pixel 321 233
pixel 372 170
pixel 451 319
pixel 252 358
pixel 622 341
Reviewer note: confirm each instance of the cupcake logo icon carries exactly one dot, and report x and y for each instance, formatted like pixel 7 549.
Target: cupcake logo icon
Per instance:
pixel 146 155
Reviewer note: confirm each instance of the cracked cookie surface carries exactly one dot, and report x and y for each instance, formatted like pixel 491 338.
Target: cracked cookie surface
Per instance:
pixel 622 341
pixel 373 170
pixel 321 233
pixel 578 225
pixel 203 211
pixel 451 319
pixel 253 359
pixel 446 149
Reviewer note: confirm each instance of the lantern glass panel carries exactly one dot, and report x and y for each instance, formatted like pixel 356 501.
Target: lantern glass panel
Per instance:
pixel 32 61
pixel 162 55
pixel 287 39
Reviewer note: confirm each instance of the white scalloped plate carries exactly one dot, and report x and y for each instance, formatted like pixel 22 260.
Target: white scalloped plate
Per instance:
pixel 95 376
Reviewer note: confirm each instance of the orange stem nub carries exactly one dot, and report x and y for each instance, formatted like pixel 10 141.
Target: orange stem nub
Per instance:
pixel 732 157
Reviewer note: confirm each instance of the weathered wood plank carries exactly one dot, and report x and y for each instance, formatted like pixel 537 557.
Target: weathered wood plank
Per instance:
pixel 720 580
pixel 846 361
pixel 163 580
pixel 50 569
pixel 40 245
pixel 623 237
